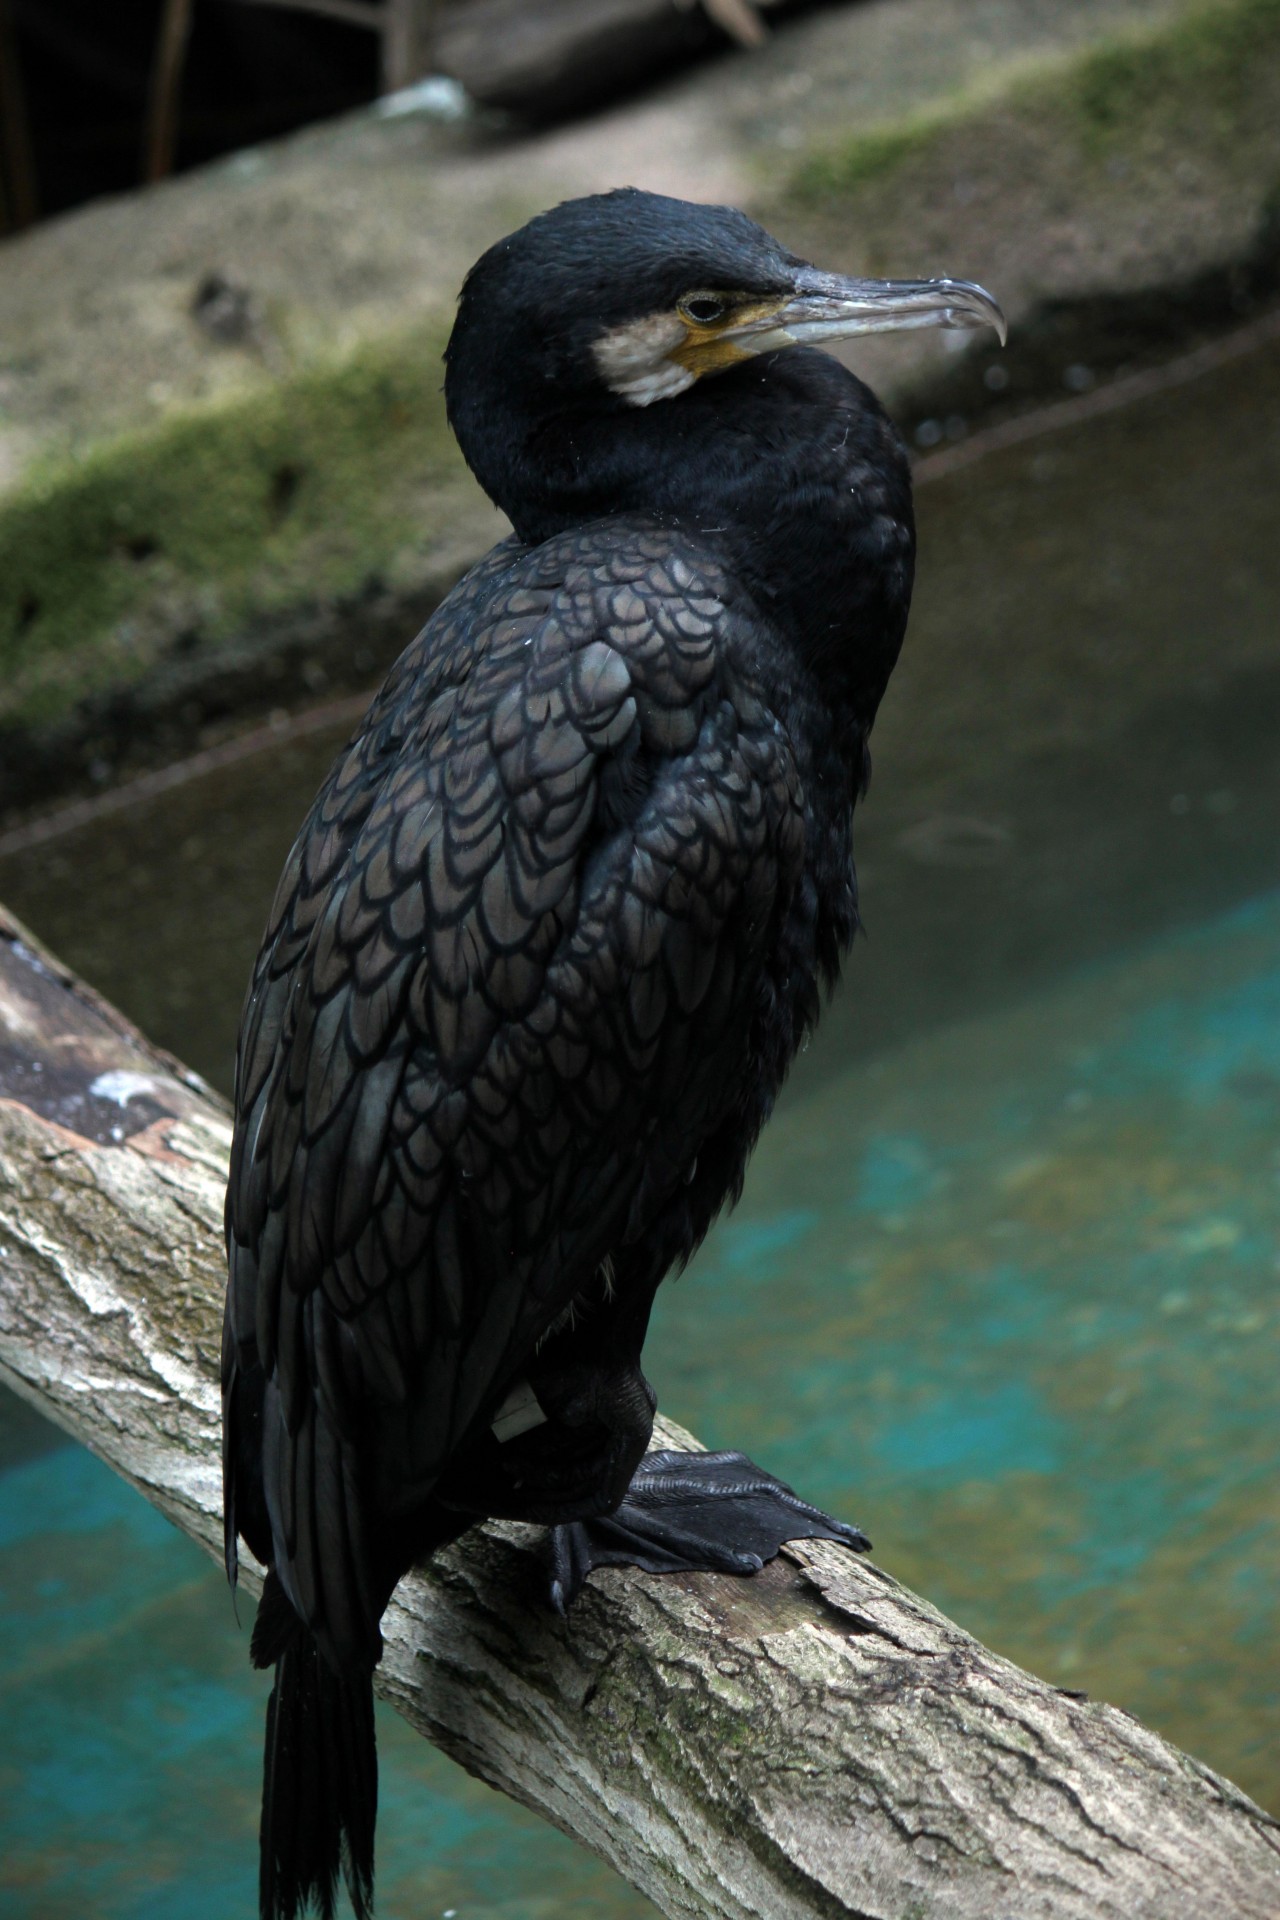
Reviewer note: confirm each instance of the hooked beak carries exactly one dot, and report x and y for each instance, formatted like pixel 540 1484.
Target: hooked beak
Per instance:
pixel 826 306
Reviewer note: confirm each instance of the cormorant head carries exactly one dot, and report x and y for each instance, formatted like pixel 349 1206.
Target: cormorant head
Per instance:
pixel 634 296
pixel 577 335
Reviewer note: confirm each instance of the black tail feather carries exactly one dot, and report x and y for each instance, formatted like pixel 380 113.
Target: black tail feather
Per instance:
pixel 320 1772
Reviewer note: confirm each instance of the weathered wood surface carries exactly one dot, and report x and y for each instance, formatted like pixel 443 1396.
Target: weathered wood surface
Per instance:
pixel 813 1742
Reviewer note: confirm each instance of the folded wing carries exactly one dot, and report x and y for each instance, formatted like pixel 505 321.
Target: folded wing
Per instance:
pixel 505 996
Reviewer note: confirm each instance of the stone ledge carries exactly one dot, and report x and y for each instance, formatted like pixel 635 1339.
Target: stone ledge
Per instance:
pixel 190 519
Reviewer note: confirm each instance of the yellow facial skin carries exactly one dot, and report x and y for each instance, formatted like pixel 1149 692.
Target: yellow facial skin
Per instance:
pixel 705 348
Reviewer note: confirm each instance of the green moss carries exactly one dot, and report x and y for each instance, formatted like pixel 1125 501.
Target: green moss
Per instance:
pixel 870 157
pixel 1204 66
pixel 1205 62
pixel 180 534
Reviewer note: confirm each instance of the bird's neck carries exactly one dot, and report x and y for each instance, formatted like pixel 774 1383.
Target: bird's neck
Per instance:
pixel 786 467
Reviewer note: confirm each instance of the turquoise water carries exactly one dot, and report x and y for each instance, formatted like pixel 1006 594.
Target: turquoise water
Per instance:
pixel 1003 1283
pixel 1013 1291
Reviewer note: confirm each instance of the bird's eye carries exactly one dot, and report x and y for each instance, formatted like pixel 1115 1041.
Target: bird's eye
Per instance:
pixel 704 308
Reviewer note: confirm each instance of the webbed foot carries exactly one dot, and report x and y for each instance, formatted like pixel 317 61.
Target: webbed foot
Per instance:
pixel 691 1512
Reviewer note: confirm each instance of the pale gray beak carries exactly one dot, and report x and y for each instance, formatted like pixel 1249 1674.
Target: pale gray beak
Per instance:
pixel 826 306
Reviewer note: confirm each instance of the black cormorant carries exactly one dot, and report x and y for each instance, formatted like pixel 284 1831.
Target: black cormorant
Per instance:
pixel 544 949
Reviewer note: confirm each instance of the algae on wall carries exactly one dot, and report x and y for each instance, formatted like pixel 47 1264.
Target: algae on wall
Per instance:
pixel 1120 167
pixel 1201 82
pixel 176 536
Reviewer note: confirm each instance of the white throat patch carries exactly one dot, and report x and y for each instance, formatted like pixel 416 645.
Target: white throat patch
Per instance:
pixel 633 360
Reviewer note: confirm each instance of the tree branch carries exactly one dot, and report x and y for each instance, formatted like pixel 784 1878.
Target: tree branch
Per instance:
pixel 815 1741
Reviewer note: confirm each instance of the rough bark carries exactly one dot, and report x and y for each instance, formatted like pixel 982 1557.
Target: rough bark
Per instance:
pixel 816 1741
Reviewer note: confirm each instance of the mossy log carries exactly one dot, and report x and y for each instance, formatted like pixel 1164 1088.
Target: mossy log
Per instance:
pixel 813 1741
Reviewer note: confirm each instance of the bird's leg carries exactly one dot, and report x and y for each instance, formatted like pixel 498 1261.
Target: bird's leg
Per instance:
pixel 566 1440
pixel 691 1512
pixel 567 1449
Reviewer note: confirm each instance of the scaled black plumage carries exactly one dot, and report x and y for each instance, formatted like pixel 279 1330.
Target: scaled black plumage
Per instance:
pixel 544 949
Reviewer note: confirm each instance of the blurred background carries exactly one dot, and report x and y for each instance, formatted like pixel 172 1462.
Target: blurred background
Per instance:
pixel 1002 1286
